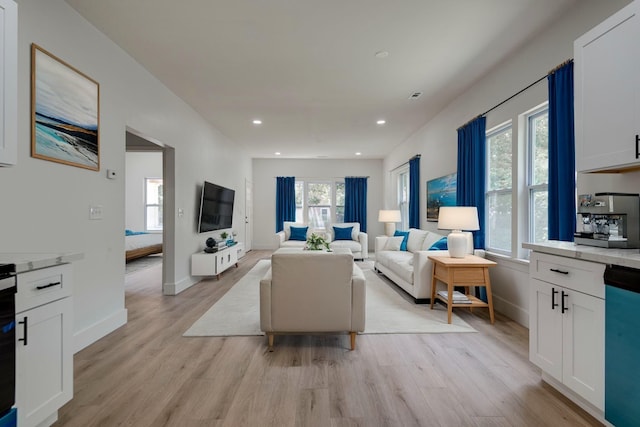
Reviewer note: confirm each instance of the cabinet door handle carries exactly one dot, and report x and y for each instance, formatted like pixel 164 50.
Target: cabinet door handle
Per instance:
pixel 554 304
pixel 637 146
pixel 555 270
pixel 48 286
pixel 564 307
pixel 24 335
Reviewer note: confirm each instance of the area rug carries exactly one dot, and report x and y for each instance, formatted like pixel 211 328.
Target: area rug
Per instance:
pixel 387 312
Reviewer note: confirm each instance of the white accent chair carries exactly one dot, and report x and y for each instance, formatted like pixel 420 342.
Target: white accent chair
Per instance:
pixel 283 237
pixel 358 244
pixel 308 292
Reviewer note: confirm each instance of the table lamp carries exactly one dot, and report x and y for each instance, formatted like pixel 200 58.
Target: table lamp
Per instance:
pixel 389 217
pixel 457 219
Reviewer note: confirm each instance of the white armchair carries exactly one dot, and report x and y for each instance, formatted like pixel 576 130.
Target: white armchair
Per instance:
pixel 357 241
pixel 283 238
pixel 311 292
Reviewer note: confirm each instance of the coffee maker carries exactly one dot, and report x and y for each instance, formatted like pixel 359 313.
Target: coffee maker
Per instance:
pixel 608 220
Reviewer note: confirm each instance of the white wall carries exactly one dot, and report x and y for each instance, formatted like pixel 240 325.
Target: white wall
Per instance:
pixel 265 172
pixel 46 204
pixel 139 166
pixel 437 139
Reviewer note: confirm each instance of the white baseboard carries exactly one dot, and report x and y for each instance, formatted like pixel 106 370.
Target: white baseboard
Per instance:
pixel 512 311
pixel 98 330
pixel 176 288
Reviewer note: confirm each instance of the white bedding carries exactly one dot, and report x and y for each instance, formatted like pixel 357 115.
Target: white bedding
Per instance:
pixel 138 241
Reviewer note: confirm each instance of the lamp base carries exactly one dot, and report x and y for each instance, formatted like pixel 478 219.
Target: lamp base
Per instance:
pixel 457 244
pixel 389 228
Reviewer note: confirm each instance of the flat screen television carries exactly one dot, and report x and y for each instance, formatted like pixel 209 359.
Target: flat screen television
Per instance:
pixel 216 208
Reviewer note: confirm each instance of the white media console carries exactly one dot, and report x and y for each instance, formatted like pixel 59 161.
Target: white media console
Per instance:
pixel 213 264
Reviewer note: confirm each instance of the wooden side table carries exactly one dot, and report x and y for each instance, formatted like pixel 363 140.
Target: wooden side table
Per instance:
pixel 468 271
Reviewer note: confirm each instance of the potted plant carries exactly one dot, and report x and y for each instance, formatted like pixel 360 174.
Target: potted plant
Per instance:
pixel 224 235
pixel 316 243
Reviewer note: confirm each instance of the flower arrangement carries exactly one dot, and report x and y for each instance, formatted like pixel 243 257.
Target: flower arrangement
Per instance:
pixel 316 243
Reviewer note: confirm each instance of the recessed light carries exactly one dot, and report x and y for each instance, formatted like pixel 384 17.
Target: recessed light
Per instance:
pixel 382 54
pixel 358 153
pixel 257 122
pixel 277 153
pixel 381 122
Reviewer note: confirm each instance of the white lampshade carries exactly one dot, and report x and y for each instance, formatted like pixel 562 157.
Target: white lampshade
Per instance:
pixel 458 218
pixel 389 217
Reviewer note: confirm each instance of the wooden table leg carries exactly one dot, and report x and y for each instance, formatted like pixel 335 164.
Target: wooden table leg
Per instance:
pixel 449 294
pixel 487 283
pixel 433 286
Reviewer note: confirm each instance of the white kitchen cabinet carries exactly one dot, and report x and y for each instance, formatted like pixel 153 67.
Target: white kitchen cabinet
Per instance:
pixel 205 264
pixel 44 351
pixel 8 82
pixel 607 93
pixel 566 325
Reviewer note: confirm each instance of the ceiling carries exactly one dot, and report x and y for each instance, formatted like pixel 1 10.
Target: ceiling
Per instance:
pixel 308 68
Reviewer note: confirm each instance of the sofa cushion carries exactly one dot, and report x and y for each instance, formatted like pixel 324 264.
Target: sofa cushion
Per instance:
pixel 298 233
pixel 293 244
pixel 401 264
pixel 346 244
pixel 430 239
pixel 343 233
pixel 393 243
pixel 440 245
pixel 415 240
pixel 354 232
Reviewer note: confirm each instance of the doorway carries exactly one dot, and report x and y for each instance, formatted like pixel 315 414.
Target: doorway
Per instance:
pixel 144 205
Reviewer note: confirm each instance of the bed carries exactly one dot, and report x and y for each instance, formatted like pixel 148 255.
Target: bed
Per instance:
pixel 140 244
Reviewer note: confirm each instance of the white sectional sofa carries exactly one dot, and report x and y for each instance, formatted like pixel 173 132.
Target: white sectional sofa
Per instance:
pixel 411 269
pixel 358 243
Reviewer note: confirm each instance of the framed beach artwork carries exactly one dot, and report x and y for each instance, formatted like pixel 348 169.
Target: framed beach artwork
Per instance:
pixel 65 112
pixel 440 192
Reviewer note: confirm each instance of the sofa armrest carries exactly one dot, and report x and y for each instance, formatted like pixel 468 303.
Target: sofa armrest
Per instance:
pixel 358 300
pixel 280 238
pixel 363 239
pixel 380 243
pixel 265 302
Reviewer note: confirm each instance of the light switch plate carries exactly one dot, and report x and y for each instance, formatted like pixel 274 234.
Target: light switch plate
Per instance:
pixel 95 212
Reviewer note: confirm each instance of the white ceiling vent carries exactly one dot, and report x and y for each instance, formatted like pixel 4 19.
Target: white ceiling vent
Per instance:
pixel 415 95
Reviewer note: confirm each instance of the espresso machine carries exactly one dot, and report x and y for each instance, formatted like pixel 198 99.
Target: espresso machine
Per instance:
pixel 608 220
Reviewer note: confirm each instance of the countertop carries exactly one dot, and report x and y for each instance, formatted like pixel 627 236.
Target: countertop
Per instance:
pixel 623 257
pixel 33 261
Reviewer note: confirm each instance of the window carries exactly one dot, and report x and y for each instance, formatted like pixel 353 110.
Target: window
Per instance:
pixel 319 203
pixel 153 204
pixel 499 189
pixel 403 198
pixel 538 173
pixel 299 201
pixel 339 202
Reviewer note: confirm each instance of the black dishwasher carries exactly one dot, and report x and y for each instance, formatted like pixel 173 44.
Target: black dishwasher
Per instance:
pixel 622 346
pixel 7 338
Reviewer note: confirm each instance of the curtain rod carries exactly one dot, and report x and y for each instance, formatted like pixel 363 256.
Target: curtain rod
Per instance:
pixel 324 178
pixel 417 156
pixel 568 61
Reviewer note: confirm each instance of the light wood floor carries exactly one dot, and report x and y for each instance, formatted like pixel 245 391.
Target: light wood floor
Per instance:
pixel 147 374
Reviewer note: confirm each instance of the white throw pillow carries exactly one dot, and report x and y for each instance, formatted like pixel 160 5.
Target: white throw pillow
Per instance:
pixel 393 243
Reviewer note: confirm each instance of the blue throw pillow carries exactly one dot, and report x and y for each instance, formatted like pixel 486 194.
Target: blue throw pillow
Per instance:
pixel 298 233
pixel 440 245
pixel 342 233
pixel 405 234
